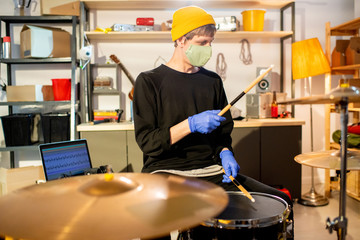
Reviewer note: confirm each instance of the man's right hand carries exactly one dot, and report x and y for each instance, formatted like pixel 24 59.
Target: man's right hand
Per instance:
pixel 205 122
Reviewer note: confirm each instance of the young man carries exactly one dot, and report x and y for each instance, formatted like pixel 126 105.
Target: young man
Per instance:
pixel 176 107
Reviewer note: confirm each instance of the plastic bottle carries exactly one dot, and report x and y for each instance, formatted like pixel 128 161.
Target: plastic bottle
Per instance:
pixel 274 106
pixel 6 48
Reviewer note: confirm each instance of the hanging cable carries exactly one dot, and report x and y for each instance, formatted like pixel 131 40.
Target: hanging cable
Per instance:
pixel 158 61
pixel 246 59
pixel 221 66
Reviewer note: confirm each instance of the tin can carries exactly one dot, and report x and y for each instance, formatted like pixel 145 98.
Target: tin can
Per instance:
pixel 6 48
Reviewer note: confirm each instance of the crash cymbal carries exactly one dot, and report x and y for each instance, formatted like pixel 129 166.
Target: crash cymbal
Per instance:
pixel 329 159
pixel 335 96
pixel 118 206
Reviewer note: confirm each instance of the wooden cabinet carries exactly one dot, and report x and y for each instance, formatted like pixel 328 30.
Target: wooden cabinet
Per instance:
pixel 349 29
pixel 264 149
pixel 267 155
pixel 113 144
pixel 116 148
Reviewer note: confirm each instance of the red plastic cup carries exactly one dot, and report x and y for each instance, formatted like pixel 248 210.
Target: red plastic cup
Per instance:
pixel 61 88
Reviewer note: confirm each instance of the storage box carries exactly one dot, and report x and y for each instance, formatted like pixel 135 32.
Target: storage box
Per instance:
pixel 21 129
pixel 338 56
pixel 60 7
pixel 354 55
pixel 56 127
pixel 44 42
pixel 16 178
pixel 352 82
pixel 258 105
pixel 353 183
pixel 29 93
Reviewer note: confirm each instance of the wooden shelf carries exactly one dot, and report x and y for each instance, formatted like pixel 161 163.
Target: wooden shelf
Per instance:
pixel 336 146
pixel 163 35
pixel 349 28
pixel 347 69
pixel 350 109
pixel 166 4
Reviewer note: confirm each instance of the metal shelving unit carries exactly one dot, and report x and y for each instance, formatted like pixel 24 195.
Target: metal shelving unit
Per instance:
pixel 9 21
pixel 111 91
pixel 36 103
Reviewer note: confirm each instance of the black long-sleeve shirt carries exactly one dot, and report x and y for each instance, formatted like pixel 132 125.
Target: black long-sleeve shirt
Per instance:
pixel 164 97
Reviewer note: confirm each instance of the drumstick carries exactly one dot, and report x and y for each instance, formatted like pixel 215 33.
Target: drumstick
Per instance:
pixel 245 91
pixel 242 189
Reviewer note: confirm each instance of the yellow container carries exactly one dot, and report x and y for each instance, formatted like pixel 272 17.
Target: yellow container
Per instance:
pixel 253 20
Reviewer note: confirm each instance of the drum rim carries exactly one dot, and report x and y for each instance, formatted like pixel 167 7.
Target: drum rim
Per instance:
pixel 250 223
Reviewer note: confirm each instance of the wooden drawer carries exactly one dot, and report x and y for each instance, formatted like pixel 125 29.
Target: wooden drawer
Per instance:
pixel 353 184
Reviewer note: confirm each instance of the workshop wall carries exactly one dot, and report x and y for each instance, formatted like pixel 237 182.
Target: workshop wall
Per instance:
pixel 311 16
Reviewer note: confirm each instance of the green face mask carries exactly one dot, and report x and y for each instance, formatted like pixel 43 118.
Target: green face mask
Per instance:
pixel 198 55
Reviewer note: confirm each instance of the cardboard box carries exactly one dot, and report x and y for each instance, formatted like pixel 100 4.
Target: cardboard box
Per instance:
pixel 355 50
pixel 258 105
pixel 338 56
pixel 16 178
pixel 27 93
pixel 353 183
pixel 60 7
pixel 44 42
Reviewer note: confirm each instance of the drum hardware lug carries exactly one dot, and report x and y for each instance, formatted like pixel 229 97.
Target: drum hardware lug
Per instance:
pixel 289 229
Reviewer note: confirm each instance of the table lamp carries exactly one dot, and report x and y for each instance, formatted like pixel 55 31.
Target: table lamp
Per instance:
pixel 308 59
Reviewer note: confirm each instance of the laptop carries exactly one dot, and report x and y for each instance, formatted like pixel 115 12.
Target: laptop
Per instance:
pixel 65 159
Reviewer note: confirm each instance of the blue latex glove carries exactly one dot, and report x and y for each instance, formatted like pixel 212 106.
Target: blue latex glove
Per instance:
pixel 229 164
pixel 205 122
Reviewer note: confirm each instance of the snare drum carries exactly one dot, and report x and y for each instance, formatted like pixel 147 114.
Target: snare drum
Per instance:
pixel 243 219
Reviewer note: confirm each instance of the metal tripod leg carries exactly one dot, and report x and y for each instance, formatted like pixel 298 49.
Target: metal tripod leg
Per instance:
pixel 340 223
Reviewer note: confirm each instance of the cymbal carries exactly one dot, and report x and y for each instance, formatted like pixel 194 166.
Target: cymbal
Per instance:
pixel 335 96
pixel 330 159
pixel 110 206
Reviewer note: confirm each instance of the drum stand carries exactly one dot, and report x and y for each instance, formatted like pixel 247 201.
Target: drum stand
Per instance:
pixel 339 224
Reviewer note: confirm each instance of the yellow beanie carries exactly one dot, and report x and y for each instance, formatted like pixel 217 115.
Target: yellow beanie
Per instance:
pixel 187 19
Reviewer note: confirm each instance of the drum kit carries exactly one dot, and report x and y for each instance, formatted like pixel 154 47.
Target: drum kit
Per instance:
pixel 139 205
pixel 136 205
pixel 342 160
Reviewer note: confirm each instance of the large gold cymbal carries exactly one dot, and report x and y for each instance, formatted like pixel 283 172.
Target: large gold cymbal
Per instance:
pixel 118 206
pixel 329 159
pixel 335 96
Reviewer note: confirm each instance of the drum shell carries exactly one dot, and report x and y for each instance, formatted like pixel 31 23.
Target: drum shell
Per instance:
pixel 243 219
pixel 255 216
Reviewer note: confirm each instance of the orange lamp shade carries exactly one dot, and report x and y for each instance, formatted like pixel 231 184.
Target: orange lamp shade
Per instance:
pixel 308 59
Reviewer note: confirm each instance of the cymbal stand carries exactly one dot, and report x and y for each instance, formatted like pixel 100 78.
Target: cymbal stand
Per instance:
pixel 339 224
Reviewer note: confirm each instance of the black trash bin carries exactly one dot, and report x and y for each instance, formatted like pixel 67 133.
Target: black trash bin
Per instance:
pixel 56 127
pixel 20 129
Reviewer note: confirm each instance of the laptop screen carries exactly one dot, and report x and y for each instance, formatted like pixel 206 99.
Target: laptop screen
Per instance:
pixel 65 159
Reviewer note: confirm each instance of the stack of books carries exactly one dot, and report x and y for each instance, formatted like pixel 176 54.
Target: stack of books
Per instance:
pixel 105 114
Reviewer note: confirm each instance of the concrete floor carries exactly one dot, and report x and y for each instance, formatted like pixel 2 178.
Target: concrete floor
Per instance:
pixel 310 222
